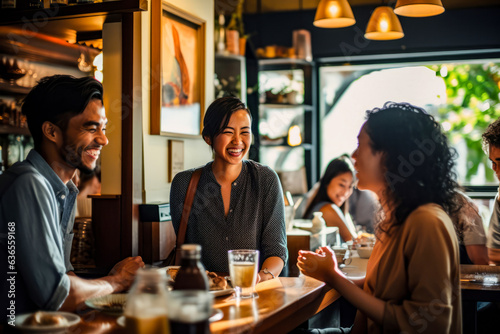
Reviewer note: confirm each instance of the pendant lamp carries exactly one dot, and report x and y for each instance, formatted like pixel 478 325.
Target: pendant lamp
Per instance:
pixel 419 8
pixel 384 25
pixel 334 14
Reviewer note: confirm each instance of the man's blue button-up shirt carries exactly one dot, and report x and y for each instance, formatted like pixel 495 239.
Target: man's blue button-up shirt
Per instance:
pixel 37 212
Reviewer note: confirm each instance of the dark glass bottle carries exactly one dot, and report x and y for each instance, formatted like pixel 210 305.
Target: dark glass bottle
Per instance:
pixel 191 275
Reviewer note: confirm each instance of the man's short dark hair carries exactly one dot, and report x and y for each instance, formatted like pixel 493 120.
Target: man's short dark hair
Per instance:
pixel 57 99
pixel 491 137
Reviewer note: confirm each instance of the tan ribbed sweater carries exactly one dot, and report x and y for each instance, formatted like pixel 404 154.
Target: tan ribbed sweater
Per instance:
pixel 416 272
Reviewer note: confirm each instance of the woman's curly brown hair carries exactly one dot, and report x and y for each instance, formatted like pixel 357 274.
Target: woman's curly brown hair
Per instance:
pixel 417 159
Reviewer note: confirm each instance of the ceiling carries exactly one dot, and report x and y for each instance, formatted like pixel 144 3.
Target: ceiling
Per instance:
pixel 266 6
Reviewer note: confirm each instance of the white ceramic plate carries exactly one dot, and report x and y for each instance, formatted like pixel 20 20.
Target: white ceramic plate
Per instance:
pixel 114 303
pixel 169 279
pixel 305 224
pixel 219 293
pixel 121 321
pixel 216 316
pixel 72 319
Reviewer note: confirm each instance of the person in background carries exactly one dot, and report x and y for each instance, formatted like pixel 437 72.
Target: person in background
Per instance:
pixel 238 203
pixel 88 184
pixel 470 231
pixel 334 189
pixel 491 146
pixel 412 280
pixel 363 206
pixel 37 200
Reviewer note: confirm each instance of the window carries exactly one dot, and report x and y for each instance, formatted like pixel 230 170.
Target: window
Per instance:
pixel 463 96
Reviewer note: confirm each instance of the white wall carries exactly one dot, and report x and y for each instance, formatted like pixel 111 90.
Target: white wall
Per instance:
pixel 196 152
pixel 111 158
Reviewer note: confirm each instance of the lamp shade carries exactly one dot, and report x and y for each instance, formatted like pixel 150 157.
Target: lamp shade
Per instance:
pixel 419 8
pixel 334 14
pixel 384 25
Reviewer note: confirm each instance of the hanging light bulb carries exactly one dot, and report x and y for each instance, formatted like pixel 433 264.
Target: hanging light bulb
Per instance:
pixel 98 64
pixel 419 8
pixel 383 25
pixel 334 14
pixel 294 136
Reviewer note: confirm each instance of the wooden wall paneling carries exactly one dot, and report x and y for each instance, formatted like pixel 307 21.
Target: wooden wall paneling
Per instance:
pixel 156 241
pixel 106 225
pixel 131 136
pixel 294 244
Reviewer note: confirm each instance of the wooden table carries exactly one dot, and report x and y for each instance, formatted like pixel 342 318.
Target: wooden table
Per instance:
pixel 283 304
pixel 472 293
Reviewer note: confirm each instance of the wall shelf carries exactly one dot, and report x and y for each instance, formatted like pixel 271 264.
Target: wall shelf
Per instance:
pixel 306 107
pixel 8 89
pixel 16 16
pixel 274 119
pixel 9 129
pixel 230 70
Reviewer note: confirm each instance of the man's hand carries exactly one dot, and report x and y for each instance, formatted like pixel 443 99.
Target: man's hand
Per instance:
pixel 124 272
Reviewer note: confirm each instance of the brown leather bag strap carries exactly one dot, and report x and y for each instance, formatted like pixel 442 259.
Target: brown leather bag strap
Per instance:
pixel 186 210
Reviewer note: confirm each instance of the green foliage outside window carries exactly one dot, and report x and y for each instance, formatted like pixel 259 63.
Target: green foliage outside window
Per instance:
pixel 473 102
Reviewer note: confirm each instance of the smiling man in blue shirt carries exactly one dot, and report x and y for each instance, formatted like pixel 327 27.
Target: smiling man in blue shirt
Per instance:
pixel 37 201
pixel 491 145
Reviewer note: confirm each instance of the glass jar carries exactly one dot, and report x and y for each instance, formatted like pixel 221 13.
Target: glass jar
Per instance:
pixel 190 311
pixel 146 308
pixel 82 250
pixel 192 274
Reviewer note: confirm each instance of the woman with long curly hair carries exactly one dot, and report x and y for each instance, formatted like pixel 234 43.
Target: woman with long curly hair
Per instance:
pixel 412 279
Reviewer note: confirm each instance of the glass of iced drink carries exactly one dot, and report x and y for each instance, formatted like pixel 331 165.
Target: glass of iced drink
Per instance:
pixel 243 269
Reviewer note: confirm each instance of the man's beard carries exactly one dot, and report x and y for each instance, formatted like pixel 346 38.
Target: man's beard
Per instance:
pixel 73 157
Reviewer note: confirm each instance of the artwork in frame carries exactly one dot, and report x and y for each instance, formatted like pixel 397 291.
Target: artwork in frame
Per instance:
pixel 175 158
pixel 177 71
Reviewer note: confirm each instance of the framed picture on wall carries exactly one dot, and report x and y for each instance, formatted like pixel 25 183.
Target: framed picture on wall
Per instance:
pixel 177 71
pixel 175 158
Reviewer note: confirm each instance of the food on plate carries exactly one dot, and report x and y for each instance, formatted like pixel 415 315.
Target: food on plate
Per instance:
pixel 216 282
pixel 365 239
pixel 172 272
pixel 45 319
pixel 111 306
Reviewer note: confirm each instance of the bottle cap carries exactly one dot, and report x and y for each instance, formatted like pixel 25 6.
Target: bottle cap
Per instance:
pixel 191 251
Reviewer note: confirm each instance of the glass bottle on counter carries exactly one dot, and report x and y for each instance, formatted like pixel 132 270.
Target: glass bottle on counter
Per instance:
pixel 191 275
pixel 146 310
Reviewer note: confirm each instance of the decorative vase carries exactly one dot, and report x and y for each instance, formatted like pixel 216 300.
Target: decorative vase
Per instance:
pixel 232 42
pixel 318 223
